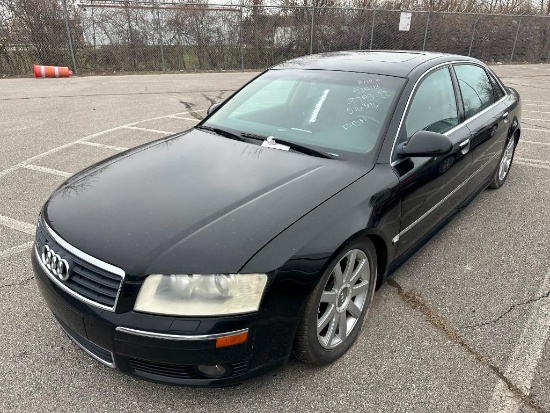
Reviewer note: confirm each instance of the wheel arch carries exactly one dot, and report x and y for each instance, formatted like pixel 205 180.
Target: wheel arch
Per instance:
pixel 381 249
pixel 517 134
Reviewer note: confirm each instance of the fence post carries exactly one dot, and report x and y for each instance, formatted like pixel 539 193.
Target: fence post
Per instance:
pixel 515 41
pixel 162 62
pixel 311 33
pixel 241 52
pixel 69 37
pixel 472 39
pixel 372 28
pixel 363 32
pixel 426 31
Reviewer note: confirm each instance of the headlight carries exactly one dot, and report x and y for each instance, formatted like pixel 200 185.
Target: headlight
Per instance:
pixel 201 295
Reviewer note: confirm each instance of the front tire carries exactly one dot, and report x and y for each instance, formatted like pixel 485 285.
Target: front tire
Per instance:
pixel 337 307
pixel 504 165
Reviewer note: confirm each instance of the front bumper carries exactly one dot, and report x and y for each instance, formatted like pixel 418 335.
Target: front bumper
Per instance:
pixel 169 349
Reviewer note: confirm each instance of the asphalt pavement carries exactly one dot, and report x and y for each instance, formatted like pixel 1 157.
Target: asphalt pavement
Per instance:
pixel 463 326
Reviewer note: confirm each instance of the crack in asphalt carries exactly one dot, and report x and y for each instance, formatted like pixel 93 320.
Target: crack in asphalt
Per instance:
pixel 418 303
pixel 189 107
pixel 509 310
pixel 208 98
pixel 23 282
pixel 222 92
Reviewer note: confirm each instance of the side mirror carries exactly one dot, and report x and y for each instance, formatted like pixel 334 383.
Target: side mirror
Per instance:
pixel 212 108
pixel 425 143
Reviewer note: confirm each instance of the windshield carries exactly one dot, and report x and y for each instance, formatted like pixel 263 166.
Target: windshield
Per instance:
pixel 340 113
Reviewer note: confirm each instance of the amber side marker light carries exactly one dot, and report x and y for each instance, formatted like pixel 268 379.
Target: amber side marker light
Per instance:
pixel 232 340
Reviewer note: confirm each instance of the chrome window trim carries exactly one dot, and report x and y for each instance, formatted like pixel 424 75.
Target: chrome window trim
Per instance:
pixel 429 211
pixel 96 357
pixel 178 337
pixel 80 254
pixel 464 123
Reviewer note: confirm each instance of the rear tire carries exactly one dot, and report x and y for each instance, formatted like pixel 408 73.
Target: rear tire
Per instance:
pixel 338 306
pixel 504 164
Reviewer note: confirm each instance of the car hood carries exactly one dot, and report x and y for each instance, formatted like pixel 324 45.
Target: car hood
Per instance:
pixel 194 203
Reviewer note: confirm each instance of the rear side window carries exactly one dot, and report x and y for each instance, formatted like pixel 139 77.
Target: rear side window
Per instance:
pixel 477 90
pixel 499 93
pixel 433 107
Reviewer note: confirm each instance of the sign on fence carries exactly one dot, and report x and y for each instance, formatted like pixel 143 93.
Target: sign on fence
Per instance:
pixel 405 21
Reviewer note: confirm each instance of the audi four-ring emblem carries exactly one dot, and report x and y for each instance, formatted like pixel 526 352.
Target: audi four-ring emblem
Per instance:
pixel 57 265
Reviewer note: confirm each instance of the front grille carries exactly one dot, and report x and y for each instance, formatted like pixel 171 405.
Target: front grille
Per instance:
pixel 99 353
pixel 86 280
pixel 178 371
pixel 94 284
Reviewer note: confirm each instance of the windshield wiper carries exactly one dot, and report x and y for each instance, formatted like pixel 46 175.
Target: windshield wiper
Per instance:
pixel 294 146
pixel 222 132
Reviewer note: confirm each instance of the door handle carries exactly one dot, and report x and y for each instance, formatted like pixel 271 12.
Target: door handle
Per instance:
pixel 505 116
pixel 464 146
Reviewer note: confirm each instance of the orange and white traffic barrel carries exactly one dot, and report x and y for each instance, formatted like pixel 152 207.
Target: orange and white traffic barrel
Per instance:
pixel 51 71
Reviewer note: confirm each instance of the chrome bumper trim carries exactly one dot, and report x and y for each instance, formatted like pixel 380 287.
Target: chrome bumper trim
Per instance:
pixel 96 357
pixel 177 337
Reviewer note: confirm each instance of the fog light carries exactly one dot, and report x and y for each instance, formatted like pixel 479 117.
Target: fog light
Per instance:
pixel 217 370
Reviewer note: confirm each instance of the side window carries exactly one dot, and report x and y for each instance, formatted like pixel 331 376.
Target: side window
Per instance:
pixel 477 90
pixel 433 107
pixel 498 92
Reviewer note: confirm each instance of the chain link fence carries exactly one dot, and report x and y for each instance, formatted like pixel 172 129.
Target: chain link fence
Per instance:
pixel 105 37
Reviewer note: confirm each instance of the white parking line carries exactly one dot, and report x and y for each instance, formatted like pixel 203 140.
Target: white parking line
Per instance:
pixel 17 225
pixel 534 165
pixel 535 143
pixel 182 118
pixel 536 111
pixel 47 170
pixel 517 158
pixel 84 139
pixel 534 104
pixel 53 150
pixel 540 120
pixel 527 353
pixel 102 145
pixel 537 130
pixel 16 249
pixel 149 130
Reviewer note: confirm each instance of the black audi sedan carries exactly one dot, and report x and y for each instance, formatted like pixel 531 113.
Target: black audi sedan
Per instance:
pixel 210 256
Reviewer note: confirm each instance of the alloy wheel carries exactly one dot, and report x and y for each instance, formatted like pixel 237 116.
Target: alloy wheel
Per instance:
pixel 506 160
pixel 344 298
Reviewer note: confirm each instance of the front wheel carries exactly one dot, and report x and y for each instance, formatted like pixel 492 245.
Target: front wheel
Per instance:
pixel 504 165
pixel 337 307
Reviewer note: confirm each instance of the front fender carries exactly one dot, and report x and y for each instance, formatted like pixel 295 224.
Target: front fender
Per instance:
pixel 368 206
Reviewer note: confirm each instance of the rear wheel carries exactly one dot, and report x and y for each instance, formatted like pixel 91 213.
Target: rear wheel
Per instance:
pixel 338 305
pixel 504 165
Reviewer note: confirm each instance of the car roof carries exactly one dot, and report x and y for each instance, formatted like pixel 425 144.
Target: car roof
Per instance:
pixel 383 62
